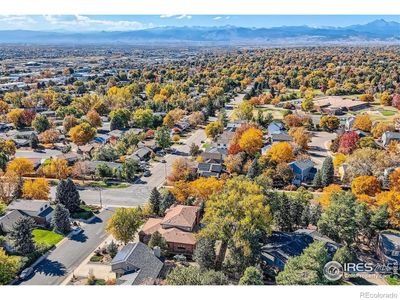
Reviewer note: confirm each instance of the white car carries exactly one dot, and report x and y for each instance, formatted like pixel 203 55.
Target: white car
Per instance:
pixel 26 273
pixel 77 231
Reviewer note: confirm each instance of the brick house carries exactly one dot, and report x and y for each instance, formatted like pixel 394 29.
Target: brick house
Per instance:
pixel 177 228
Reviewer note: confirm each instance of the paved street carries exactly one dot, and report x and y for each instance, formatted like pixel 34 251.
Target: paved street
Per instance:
pixel 60 262
pixel 47 153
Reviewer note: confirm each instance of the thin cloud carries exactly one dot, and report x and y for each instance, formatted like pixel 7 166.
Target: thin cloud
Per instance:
pixel 217 18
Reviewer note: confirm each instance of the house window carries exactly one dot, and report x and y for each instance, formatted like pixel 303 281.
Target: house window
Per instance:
pixel 181 248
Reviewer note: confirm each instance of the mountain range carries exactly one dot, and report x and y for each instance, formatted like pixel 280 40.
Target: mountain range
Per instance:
pixel 378 31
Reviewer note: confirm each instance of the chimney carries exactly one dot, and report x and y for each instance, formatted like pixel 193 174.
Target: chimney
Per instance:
pixel 157 251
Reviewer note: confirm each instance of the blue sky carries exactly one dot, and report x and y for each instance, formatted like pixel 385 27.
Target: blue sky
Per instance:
pixel 135 22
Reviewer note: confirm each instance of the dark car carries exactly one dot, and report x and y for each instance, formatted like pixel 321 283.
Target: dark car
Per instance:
pixel 147 173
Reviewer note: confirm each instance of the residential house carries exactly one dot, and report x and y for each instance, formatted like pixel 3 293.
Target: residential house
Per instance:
pixel 276 128
pixel 303 170
pixel 177 227
pixel 137 264
pixel 212 156
pixel 141 154
pixel 389 136
pixel 39 210
pixel 280 137
pixel 209 169
pixel 280 246
pixel 388 249
pixel 8 220
pixel 224 139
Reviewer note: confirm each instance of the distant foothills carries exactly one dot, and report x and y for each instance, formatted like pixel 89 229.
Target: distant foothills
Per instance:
pixel 376 32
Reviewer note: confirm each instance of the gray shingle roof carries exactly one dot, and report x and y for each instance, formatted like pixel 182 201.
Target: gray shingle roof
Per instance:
pixel 138 264
pixel 9 219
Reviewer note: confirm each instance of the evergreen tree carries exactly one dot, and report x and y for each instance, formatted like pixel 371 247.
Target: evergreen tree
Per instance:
pixel 253 171
pixel 157 240
pixel 167 200
pixel 327 172
pixel 252 276
pixel 155 201
pixel 112 249
pixel 33 141
pixel 21 235
pixel 204 254
pixel 60 220
pixel 317 182
pixel 68 195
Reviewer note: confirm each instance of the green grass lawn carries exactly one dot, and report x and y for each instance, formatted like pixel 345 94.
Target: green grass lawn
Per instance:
pixel 388 113
pixel 105 185
pixel 46 237
pixel 85 213
pixel 392 280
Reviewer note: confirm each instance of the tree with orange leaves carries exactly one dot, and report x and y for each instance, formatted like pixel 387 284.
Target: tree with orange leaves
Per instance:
pixel 251 141
pixel 392 200
pixel 181 190
pixel 368 185
pixel 394 180
pixel 281 152
pixel 182 169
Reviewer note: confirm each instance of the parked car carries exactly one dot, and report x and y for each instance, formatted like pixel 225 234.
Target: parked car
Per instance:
pixel 147 173
pixel 77 231
pixel 26 273
pixel 163 161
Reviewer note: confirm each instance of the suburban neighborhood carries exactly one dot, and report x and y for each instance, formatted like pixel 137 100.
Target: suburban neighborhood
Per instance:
pixel 198 165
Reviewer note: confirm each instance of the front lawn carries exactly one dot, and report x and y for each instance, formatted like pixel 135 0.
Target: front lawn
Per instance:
pixel 85 212
pixel 46 237
pixel 392 280
pixel 106 185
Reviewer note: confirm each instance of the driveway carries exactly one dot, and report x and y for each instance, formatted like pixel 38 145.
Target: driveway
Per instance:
pixel 63 260
pixel 319 146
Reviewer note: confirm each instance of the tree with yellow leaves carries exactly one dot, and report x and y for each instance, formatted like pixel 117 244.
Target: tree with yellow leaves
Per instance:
pixel 168 121
pixel 235 213
pixel 392 200
pixel 339 159
pixel 82 133
pixel 203 187
pixel 57 168
pixel 36 189
pixel 20 166
pixel 182 169
pixel 7 147
pixel 380 129
pixel 181 190
pixel 368 185
pixel 213 129
pixel 281 152
pixel 251 141
pixel 300 136
pixel 325 198
pixel 363 122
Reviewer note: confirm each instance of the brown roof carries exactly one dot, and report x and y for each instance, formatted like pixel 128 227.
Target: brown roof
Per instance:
pixel 152 225
pixel 174 235
pixel 180 215
pixel 337 101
